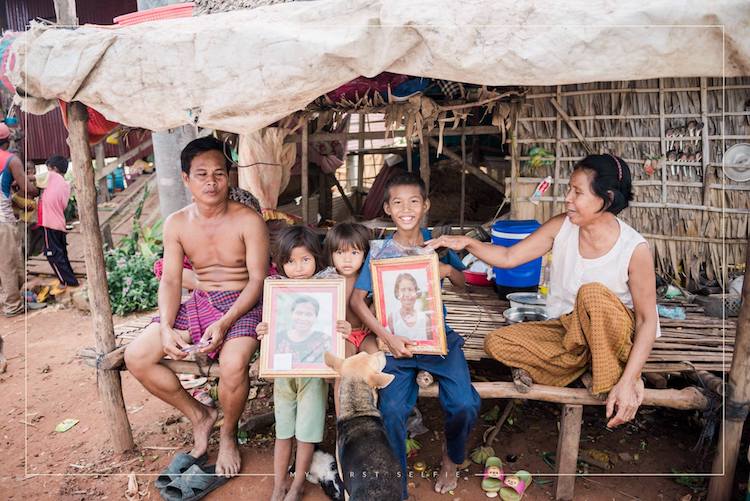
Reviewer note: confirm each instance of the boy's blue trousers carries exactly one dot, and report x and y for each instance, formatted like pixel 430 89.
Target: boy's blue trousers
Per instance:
pixel 460 401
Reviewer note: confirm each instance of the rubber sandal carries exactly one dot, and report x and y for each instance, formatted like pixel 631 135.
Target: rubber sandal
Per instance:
pixel 514 486
pixel 194 484
pixel 492 478
pixel 179 464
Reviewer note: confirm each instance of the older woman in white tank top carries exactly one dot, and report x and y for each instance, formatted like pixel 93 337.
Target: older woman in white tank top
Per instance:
pixel 602 296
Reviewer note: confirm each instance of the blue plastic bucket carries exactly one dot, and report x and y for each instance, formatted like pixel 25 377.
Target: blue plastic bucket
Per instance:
pixel 507 234
pixel 119 178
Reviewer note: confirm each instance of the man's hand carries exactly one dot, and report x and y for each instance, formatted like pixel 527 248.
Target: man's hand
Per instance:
pixel 214 336
pixel 398 346
pixel 454 242
pixel 172 343
pixel 261 330
pixel 625 397
pixel 344 328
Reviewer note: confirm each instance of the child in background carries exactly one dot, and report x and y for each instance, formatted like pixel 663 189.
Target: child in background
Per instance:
pixel 299 403
pixel 346 246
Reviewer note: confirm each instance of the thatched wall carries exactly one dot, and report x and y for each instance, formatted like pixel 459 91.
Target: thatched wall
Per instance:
pixel 690 219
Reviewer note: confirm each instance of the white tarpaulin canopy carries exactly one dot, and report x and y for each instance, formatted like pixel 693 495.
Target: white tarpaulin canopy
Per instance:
pixel 239 71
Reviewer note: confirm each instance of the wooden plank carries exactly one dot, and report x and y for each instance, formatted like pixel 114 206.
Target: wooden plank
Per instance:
pixel 568 441
pixel 473 169
pixel 111 166
pixel 321 137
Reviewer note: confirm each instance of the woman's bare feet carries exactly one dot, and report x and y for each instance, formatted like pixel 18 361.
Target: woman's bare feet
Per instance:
pixel 522 380
pixel 228 462
pixel 202 430
pixel 446 479
pixel 278 494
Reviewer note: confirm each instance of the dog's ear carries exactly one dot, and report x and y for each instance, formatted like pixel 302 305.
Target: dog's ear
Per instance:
pixel 333 361
pixel 377 361
pixel 380 380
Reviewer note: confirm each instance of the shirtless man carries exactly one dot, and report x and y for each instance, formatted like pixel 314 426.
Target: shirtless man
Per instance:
pixel 227 245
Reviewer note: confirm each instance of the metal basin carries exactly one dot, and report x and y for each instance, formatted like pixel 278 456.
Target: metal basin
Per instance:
pixel 525 314
pixel 521 299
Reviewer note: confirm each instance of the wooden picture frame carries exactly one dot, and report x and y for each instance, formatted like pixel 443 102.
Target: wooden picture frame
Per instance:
pixel 418 279
pixel 319 304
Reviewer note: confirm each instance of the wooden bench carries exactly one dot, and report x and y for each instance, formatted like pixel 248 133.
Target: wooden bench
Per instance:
pixel 696 345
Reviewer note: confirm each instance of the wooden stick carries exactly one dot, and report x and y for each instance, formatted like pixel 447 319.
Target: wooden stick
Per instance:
pixel 705 146
pixel 360 162
pixel 424 168
pixel 500 422
pixel 725 461
pixel 572 126
pixel 514 170
pixel 473 169
pixel 111 166
pixel 109 383
pixel 567 451
pixel 304 173
pixel 663 141
pixel 685 399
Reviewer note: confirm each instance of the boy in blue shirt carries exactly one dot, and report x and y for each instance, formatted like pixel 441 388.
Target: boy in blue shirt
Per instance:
pixel 406 202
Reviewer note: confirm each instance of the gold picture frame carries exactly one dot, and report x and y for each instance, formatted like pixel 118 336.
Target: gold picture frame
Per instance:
pixel 291 307
pixel 408 301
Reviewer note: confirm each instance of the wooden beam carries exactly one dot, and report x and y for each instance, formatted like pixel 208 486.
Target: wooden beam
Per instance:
pixel 305 174
pixel 567 451
pixel 319 137
pixel 108 382
pixel 663 142
pixel 103 193
pixel 360 161
pixel 684 399
pixel 462 209
pixel 473 169
pixel 515 169
pixel 736 405
pixel 572 126
pixel 343 194
pixel 424 171
pixel 112 165
pixel 705 146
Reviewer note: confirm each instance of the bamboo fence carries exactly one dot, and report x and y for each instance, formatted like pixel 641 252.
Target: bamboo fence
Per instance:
pixel 693 217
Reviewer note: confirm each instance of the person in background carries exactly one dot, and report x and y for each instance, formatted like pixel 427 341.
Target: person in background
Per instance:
pixel 51 218
pixel 11 266
pixel 30 234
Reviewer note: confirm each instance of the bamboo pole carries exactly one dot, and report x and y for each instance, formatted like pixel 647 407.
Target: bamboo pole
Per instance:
pixel 737 402
pixel 662 141
pixel 424 168
pixel 558 151
pixel 705 150
pixel 514 171
pixel 576 131
pixel 409 153
pixel 473 169
pixel 360 162
pixel 103 195
pixel 305 187
pixel 108 382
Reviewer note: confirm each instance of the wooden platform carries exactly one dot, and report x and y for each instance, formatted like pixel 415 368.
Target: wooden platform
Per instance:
pixel 697 343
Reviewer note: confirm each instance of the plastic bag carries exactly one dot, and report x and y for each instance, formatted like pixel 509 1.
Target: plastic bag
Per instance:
pixel 388 249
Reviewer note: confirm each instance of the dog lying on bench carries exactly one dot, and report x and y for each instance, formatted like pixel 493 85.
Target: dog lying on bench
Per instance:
pixel 367 464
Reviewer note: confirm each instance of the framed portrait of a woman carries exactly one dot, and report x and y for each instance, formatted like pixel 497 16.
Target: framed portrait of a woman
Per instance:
pixel 406 293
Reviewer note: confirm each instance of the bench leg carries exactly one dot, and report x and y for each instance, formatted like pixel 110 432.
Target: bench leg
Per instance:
pixel 567 450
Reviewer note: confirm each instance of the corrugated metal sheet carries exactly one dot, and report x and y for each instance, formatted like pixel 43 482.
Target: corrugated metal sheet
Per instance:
pixel 46 135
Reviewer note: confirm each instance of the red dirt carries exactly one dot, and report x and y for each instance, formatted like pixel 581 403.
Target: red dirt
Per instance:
pixel 47 383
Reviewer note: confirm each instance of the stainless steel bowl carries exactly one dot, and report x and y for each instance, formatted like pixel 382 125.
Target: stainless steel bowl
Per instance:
pixel 525 314
pixel 521 299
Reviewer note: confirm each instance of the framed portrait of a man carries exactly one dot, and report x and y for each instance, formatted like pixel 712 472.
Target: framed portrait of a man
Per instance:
pixel 301 317
pixel 406 293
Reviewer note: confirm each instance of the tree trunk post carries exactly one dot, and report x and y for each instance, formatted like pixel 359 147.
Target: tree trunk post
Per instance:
pixel 108 381
pixel 736 405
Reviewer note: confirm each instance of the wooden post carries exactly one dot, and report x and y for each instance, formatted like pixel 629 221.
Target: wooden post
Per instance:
pixel 325 197
pixel 103 194
pixel 705 150
pixel 463 184
pixel 567 450
pixel 514 171
pixel 558 154
pixel 65 10
pixel 409 151
pixel 662 135
pixel 360 162
pixel 736 405
pixel 424 168
pixel 303 172
pixel 108 382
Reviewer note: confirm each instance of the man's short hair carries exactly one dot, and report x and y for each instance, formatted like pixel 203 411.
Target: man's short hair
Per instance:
pixel 59 162
pixel 405 179
pixel 198 146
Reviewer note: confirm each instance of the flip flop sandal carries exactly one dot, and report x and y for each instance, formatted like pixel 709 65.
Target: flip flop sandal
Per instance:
pixel 194 484
pixel 514 486
pixel 179 464
pixel 492 478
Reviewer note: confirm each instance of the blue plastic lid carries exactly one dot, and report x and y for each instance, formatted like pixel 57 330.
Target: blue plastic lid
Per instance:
pixel 523 226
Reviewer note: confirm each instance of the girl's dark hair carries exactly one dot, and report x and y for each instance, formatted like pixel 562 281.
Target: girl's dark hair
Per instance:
pixel 297 236
pixel 198 146
pixel 610 181
pixel 346 235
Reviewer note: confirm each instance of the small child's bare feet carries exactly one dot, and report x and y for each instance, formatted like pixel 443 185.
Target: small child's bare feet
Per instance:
pixel 278 494
pixel 295 493
pixel 522 380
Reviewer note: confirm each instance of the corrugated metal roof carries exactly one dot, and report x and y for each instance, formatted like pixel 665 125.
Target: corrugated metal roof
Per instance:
pixel 46 134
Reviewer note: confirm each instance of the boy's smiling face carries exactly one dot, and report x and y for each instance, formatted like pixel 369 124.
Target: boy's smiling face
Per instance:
pixel 406 206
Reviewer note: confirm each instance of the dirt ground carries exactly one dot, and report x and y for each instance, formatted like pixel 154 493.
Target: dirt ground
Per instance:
pixel 46 383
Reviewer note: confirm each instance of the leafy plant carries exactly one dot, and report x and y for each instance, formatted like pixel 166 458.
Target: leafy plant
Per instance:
pixel 130 276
